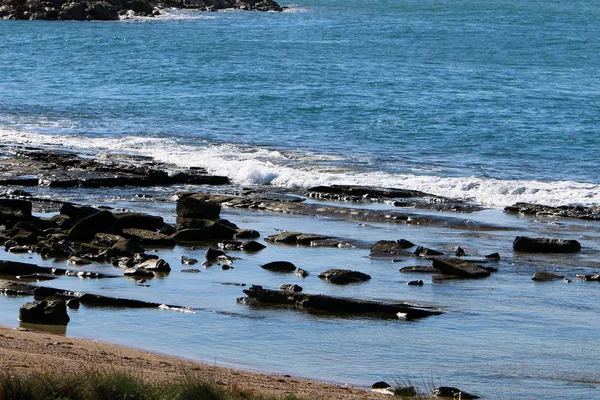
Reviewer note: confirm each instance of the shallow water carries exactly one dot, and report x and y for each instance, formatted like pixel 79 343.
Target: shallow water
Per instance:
pixel 504 336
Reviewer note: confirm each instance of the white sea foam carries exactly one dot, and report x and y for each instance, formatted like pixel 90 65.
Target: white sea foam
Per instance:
pixel 256 166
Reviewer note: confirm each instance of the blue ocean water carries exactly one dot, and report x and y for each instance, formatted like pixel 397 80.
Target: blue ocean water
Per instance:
pixel 491 100
pixel 495 101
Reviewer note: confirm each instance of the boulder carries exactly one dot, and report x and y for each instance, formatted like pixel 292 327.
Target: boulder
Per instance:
pixel 192 206
pixel 188 261
pixel 212 254
pixel 76 212
pixel 222 229
pixel 344 276
pixel 243 233
pixel 453 393
pixel 192 235
pixel 415 283
pixel 289 287
pixel 102 11
pixel 126 247
pixel 589 277
pixel 545 245
pixel 279 266
pixel 52 311
pixel 252 246
pixel 425 252
pixel 139 221
pixel 86 228
pixel 16 207
pixel 138 273
pixel 542 276
pixel 157 265
pixel 460 268
pixel 390 248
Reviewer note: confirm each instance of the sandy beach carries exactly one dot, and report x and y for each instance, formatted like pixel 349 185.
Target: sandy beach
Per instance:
pixel 25 352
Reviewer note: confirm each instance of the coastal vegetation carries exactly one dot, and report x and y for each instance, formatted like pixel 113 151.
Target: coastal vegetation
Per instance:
pixel 101 385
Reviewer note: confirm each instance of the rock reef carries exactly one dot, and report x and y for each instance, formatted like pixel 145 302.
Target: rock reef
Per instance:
pixel 111 10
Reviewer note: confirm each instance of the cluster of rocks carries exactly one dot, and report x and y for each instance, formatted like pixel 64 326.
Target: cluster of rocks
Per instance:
pixel 111 10
pixel 572 211
pixel 411 392
pixel 33 167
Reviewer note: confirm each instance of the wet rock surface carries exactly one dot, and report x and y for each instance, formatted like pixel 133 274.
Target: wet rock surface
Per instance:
pixel 51 311
pixel 460 268
pixel 545 245
pixel 573 211
pixel 337 305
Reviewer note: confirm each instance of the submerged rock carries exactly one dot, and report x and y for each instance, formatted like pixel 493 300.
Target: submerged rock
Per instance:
pixel 460 268
pixel 336 305
pixel 542 276
pixel 545 245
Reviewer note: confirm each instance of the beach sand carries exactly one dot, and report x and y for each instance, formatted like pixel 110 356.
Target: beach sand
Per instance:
pixel 25 352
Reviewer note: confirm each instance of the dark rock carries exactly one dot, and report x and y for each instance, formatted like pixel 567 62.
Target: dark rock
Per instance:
pixel 390 248
pixel 302 273
pixel 589 277
pixel 138 273
pixel 286 237
pixel 247 234
pixel 541 276
pixel 86 228
pixel 344 276
pixel 544 245
pixel 460 252
pixel 290 288
pixel 139 221
pixel 458 267
pixel 16 207
pixel 124 262
pixel 52 311
pixel 336 305
pixel 230 245
pixel 73 303
pixel 573 211
pixel 415 283
pixel 126 247
pixel 405 391
pixel 77 212
pixel 188 261
pixel 106 239
pixel 452 392
pixel 493 256
pixel 425 252
pixel 74 260
pixel 72 11
pixel 102 11
pixel 279 266
pixel 331 243
pixel 419 269
pixel 191 270
pixel 252 246
pixel 158 265
pixel 193 206
pixel 307 239
pixel 192 235
pixel 380 385
pixel 222 229
pixel 149 238
pixel 212 254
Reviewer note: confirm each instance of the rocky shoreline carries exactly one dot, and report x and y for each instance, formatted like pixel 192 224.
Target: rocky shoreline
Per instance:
pixel 83 235
pixel 112 10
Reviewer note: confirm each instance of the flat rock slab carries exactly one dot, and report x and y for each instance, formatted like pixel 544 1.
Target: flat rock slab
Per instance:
pixel 545 245
pixel 458 267
pixel 575 211
pixel 339 305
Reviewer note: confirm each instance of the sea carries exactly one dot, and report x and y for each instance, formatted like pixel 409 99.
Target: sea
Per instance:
pixel 493 102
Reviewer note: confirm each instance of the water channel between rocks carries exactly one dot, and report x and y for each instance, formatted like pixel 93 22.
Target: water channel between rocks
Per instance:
pixel 504 336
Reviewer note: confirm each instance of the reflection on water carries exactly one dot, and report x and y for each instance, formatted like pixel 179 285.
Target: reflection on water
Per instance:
pixel 54 329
